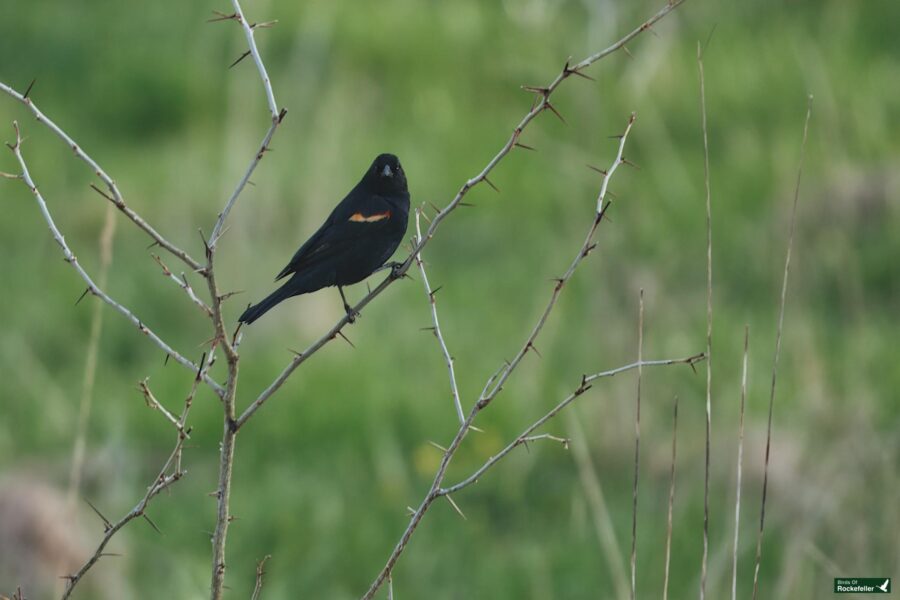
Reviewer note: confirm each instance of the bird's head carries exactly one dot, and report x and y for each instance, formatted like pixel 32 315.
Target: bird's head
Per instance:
pixel 386 175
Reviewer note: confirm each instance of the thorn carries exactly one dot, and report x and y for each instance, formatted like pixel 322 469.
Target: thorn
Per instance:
pixel 432 329
pixel 588 249
pixel 438 446
pixel 106 524
pixel 598 169
pixel 488 181
pixel 525 146
pixel 466 204
pixel 549 106
pixel 104 194
pixel 220 16
pixel 341 333
pixel 227 295
pixel 240 58
pixel 237 330
pixel 568 71
pixel 455 507
pixel 627 51
pixel 203 238
pixel 81 297
pixel 543 91
pixel 264 24
pixel 435 291
pixel 410 510
pixel 625 161
pixel 478 429
pixel 151 245
pixel 152 524
pixel 28 91
pixel 295 353
pixel 162 265
pixel 283 113
pixel 533 347
pixel 615 137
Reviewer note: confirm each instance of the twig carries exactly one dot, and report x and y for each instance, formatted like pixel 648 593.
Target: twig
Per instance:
pixel 162 481
pixel 537 109
pixel 740 465
pixel 708 325
pixel 276 116
pixel 671 499
pixel 585 249
pixel 585 385
pixel 153 403
pixel 784 283
pixel 637 447
pixel 454 390
pixel 183 283
pixel 116 196
pixel 260 572
pixel 94 289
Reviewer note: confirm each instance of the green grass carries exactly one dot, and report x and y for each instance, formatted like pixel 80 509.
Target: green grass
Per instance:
pixel 324 472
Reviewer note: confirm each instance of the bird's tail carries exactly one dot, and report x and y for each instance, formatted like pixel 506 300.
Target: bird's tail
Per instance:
pixel 256 311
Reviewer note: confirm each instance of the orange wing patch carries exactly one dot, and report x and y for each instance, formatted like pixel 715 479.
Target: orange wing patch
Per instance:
pixel 361 218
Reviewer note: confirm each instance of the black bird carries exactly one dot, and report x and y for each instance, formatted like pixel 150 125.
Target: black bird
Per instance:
pixel 362 232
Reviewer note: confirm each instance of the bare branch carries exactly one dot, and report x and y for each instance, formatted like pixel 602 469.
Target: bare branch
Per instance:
pixel 454 390
pixel 784 284
pixel 585 249
pixel 183 283
pixel 276 116
pixel 163 480
pixel 70 258
pixel 260 572
pixel 116 195
pixel 583 387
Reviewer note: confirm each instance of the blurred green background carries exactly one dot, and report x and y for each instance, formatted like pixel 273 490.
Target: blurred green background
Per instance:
pixel 324 473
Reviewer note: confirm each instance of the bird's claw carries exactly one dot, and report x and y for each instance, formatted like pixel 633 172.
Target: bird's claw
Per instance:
pixel 351 314
pixel 395 269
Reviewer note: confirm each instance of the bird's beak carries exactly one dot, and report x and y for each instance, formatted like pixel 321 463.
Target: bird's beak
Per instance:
pixel 386 172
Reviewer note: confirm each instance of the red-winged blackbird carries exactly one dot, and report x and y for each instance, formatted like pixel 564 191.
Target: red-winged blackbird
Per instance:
pixel 362 232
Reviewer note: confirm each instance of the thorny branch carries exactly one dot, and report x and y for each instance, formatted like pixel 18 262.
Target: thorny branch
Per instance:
pixel 495 385
pixel 170 472
pixel 230 424
pixel 436 328
pixel 114 196
pixel 92 288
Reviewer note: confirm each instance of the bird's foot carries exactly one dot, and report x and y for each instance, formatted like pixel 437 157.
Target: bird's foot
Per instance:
pixel 351 314
pixel 395 269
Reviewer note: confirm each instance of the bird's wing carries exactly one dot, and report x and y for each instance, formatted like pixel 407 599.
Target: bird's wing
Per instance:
pixel 344 228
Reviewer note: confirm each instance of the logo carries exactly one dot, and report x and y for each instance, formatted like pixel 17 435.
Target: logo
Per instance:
pixel 862 585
